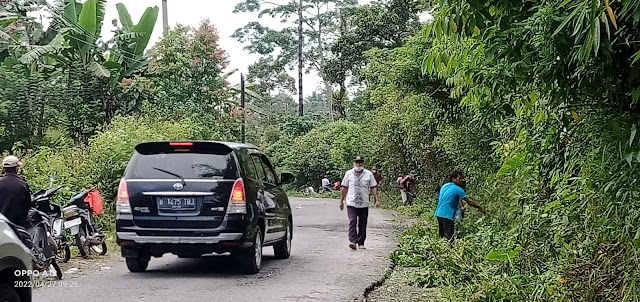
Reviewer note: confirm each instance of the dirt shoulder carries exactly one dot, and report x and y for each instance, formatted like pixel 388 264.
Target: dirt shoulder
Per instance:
pixel 396 284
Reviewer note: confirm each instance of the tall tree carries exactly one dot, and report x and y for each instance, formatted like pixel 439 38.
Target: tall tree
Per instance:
pixel 320 20
pixel 187 67
pixel 382 25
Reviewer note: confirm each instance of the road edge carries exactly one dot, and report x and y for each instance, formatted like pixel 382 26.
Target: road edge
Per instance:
pixel 404 222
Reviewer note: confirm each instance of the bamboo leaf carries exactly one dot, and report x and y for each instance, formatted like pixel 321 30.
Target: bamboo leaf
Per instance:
pixel 596 36
pixel 636 57
pixel 633 134
pixel 635 94
pixel 575 115
pixel 562 25
pixel 629 158
pixel 612 16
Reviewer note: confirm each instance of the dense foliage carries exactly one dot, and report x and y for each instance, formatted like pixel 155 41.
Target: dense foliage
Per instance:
pixel 74 106
pixel 536 101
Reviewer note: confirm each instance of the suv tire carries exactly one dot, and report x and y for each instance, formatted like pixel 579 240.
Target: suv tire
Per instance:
pixel 282 249
pixel 8 293
pixel 136 264
pixel 252 257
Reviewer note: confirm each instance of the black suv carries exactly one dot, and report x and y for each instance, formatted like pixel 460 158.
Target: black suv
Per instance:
pixel 191 198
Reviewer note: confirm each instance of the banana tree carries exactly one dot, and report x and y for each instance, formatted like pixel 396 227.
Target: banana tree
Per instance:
pixel 131 39
pixel 18 30
pixel 80 24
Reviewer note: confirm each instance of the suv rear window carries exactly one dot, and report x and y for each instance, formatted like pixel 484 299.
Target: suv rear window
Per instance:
pixel 198 161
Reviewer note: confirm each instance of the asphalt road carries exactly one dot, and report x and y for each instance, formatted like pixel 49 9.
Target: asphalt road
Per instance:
pixel 321 267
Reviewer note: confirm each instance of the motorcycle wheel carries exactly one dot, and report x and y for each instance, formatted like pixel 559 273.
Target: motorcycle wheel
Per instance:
pixel 100 250
pixel 57 268
pixel 81 240
pixel 64 252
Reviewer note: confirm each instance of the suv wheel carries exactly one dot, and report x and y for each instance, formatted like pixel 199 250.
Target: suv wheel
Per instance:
pixel 282 249
pixel 136 264
pixel 253 256
pixel 8 293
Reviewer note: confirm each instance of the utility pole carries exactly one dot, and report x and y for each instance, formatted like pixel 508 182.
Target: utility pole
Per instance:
pixel 300 41
pixel 242 105
pixel 165 18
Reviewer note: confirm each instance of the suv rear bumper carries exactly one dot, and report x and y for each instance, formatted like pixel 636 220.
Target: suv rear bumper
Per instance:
pixel 138 239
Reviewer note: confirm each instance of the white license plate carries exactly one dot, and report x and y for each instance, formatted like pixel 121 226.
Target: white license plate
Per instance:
pixel 70 223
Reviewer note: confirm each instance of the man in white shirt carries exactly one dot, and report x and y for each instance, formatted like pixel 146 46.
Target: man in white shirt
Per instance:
pixel 357 184
pixel 326 184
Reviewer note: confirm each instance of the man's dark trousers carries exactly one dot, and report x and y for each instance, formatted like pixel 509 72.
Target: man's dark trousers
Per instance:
pixel 446 228
pixel 357 217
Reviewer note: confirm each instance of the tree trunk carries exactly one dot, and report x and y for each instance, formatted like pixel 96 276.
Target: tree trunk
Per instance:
pixel 339 106
pixel 300 95
pixel 341 98
pixel 327 83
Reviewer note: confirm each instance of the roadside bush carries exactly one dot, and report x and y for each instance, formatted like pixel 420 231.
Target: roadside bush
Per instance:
pixel 329 148
pixel 103 162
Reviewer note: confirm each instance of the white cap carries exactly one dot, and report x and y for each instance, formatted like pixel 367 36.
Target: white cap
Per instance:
pixel 11 161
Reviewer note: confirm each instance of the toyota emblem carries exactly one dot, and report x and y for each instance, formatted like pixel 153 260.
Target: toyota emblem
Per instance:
pixel 178 186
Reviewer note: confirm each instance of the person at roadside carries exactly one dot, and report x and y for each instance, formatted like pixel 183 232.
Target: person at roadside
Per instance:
pixel 15 195
pixel 357 184
pixel 326 184
pixel 449 201
pixel 377 174
pixel 336 185
pixel 408 188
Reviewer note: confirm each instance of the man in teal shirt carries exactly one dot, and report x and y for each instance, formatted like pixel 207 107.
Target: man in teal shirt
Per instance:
pixel 449 201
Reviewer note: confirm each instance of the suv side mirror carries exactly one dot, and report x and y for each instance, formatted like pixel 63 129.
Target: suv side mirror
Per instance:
pixel 287 178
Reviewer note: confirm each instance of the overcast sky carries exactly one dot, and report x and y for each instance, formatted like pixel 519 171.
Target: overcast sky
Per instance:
pixel 220 12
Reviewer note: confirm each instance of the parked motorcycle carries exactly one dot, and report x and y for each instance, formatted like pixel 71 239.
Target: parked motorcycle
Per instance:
pixel 42 202
pixel 42 244
pixel 79 219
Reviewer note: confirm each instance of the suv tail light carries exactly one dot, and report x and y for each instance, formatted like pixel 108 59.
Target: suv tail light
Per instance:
pixel 122 201
pixel 238 201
